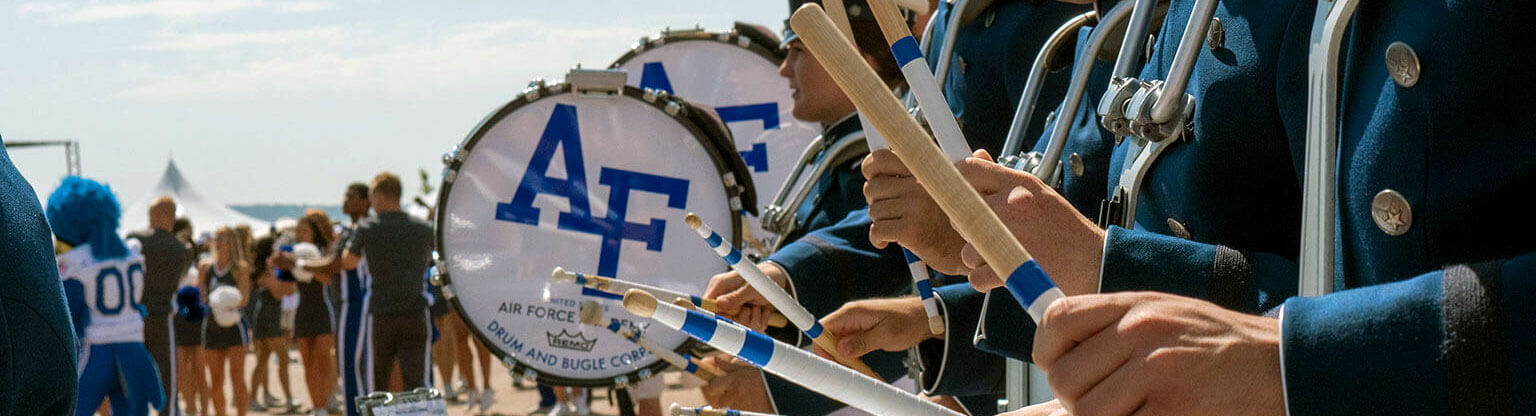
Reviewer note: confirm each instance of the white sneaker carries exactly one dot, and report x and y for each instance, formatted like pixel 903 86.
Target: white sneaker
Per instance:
pixel 487 397
pixel 579 401
pixel 471 398
pixel 563 409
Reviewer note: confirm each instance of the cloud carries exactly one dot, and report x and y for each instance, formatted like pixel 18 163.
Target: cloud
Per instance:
pixel 468 55
pixel 206 41
pixel 165 9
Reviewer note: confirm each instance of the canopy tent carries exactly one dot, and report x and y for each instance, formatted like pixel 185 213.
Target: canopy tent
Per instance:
pixel 205 214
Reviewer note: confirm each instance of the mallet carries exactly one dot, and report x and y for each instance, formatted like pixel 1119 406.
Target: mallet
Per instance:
pixel 678 410
pixel 967 211
pixel 614 287
pixel 776 295
pixel 793 364
pixel 592 314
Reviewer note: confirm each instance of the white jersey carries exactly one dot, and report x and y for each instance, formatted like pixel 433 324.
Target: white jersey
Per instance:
pixel 112 290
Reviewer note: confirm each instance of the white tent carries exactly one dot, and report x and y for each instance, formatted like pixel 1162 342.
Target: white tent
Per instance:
pixel 205 214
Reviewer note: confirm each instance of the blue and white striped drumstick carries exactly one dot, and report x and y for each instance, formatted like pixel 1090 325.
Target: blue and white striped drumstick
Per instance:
pixel 776 295
pixel 920 79
pixel 592 314
pixel 679 410
pixel 612 288
pixel 975 221
pixel 920 283
pixel 793 364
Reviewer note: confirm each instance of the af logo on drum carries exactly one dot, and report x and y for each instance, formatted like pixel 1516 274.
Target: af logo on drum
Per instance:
pixel 562 132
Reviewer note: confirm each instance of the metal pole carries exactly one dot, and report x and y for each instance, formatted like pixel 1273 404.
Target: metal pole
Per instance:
pixel 1320 182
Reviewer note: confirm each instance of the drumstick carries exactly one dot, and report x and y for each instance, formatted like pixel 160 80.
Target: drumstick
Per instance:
pixel 678 410
pixel 931 100
pixel 793 364
pixel 614 286
pixel 920 283
pixel 839 15
pixel 967 211
pixel 592 314
pixel 776 296
pixel 920 79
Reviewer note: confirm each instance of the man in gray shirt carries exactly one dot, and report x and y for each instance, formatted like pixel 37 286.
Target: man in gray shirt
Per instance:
pixel 398 248
pixel 166 258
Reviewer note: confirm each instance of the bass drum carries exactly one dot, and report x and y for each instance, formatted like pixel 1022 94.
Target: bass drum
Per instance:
pixel 737 74
pixel 595 182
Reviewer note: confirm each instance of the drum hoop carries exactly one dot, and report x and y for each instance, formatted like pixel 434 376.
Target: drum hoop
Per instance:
pixel 709 137
pixel 772 53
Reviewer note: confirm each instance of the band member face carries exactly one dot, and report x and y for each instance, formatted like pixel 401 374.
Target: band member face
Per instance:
pixel 355 204
pixel 817 97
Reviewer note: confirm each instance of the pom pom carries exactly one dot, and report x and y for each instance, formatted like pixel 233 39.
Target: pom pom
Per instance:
pixel 304 252
pixel 225 302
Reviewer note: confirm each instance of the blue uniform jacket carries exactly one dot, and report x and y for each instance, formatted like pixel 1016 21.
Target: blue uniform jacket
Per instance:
pixel 1446 323
pixel 1234 166
pixel 39 348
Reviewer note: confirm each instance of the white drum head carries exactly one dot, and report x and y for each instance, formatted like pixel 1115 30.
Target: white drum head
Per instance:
pixel 740 80
pixel 514 206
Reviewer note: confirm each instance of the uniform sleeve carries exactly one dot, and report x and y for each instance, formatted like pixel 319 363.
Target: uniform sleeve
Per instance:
pixel 354 243
pixel 1455 341
pixel 952 365
pixel 837 264
pixel 1249 282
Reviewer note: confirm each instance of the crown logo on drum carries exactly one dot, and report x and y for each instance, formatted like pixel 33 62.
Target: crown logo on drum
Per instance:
pixel 569 341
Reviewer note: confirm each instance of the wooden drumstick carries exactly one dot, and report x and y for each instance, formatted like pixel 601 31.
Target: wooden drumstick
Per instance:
pixel 796 365
pixel 776 295
pixel 615 287
pixel 966 210
pixel 592 314
pixel 839 15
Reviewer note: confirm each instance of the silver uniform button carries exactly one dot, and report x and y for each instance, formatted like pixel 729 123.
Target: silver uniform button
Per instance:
pixel 1392 213
pixel 1217 35
pixel 1076 163
pixel 1178 229
pixel 1403 64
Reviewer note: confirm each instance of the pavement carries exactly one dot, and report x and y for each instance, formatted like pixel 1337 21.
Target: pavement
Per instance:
pixel 510 400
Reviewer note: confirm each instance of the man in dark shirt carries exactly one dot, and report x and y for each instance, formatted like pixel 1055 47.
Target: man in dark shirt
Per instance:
pixel 397 248
pixel 166 258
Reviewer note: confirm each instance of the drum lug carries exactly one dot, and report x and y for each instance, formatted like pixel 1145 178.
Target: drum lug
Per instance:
pixel 673 109
pixel 454 156
pixel 621 380
pixel 449 174
pixel 597 81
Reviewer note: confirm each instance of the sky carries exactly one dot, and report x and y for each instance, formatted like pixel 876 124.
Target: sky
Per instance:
pixel 265 101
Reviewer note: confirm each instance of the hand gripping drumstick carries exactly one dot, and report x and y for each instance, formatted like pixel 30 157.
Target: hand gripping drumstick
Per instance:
pixel 592 314
pixel 930 99
pixel 613 288
pixel 678 410
pixel 793 364
pixel 970 215
pixel 776 296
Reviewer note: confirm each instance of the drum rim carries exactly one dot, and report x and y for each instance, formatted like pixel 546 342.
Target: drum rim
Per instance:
pixel 686 114
pixel 772 53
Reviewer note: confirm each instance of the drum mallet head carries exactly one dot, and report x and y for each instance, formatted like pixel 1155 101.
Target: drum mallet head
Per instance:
pixel 640 303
